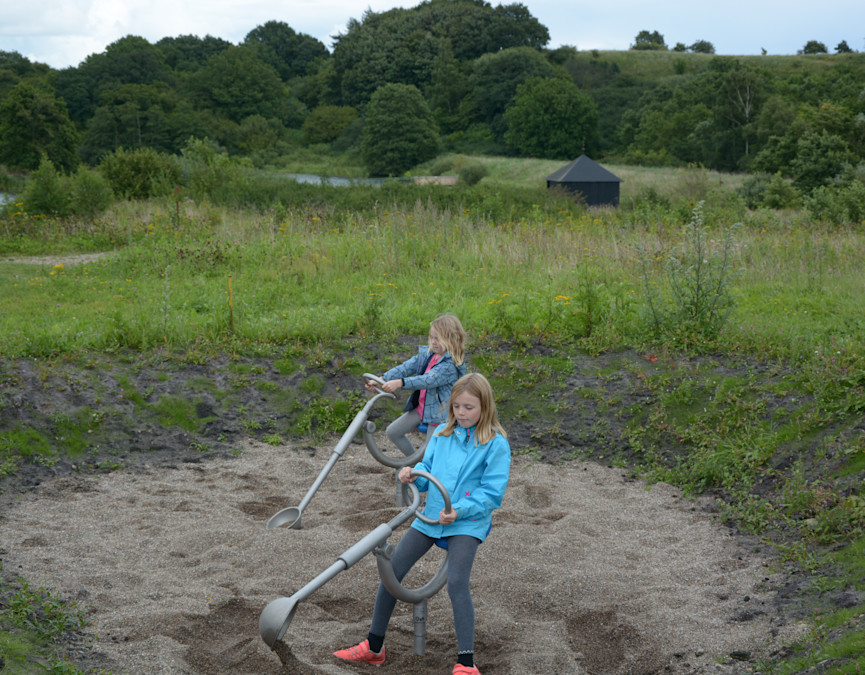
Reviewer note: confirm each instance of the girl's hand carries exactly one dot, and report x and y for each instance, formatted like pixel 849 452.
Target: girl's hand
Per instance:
pixel 391 386
pixel 447 517
pixel 405 476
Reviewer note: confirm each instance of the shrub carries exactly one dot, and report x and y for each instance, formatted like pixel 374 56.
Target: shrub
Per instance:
pixel 47 192
pixel 473 173
pixel 840 204
pixel 141 173
pixel 90 193
pixel 209 173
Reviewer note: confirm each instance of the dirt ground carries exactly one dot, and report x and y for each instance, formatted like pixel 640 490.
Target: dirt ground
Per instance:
pixel 159 532
pixel 586 570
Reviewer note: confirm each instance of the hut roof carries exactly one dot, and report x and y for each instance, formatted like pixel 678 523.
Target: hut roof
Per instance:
pixel 583 170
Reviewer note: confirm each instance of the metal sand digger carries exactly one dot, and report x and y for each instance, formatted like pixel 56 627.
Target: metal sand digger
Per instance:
pixel 276 617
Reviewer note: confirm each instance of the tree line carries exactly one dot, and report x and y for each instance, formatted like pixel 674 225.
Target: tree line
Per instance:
pixel 456 75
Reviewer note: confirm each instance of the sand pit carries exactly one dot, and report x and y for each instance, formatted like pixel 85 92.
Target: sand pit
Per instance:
pixel 585 571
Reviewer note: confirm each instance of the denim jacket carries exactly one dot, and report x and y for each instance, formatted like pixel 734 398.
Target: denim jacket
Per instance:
pixel 438 383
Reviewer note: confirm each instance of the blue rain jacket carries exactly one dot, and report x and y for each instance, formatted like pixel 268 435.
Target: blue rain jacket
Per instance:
pixel 475 477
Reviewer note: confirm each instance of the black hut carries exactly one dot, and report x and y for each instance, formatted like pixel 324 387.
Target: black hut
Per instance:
pixel 596 185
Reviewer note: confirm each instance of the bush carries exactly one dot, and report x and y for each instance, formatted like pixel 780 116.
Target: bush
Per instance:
pixel 141 173
pixel 47 192
pixel 90 193
pixel 209 173
pixel 781 193
pixel 473 173
pixel 840 204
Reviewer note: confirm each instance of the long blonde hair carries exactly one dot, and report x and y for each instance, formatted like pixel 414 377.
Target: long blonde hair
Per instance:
pixel 452 335
pixel 488 424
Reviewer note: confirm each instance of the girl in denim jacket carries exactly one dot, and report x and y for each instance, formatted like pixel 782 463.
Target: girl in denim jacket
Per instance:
pixel 430 374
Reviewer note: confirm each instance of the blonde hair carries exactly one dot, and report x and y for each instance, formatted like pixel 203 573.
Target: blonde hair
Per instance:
pixel 452 335
pixel 488 423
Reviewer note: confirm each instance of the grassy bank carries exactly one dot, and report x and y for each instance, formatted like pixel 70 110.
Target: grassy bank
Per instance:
pixel 680 270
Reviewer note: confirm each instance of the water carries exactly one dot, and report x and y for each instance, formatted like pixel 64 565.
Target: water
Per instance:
pixel 339 181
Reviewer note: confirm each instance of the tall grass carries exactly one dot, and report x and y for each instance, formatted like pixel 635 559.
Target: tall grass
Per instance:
pixel 312 273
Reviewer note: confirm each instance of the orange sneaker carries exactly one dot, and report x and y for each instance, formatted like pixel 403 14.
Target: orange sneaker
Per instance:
pixel 460 669
pixel 363 653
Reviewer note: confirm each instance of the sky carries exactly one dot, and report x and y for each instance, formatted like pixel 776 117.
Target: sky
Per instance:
pixel 62 33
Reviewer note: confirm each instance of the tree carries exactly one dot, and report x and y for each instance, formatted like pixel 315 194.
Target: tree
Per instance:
pixel 34 125
pixel 400 45
pixel 140 115
pixel 326 122
pixel 187 53
pixel 495 78
pixel 129 60
pixel 702 47
pixel 399 132
pixel 551 118
pixel 814 47
pixel 290 53
pixel 819 158
pixel 649 40
pixel 843 48
pixel 237 84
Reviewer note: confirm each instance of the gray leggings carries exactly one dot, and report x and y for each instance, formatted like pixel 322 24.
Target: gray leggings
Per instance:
pixel 461 556
pixel 397 430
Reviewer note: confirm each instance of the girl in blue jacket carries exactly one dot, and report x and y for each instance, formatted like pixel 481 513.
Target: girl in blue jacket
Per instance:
pixel 471 457
pixel 430 374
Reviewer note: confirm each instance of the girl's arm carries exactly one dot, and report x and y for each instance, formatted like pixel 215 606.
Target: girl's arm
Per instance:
pixel 405 369
pixel 443 372
pixel 426 463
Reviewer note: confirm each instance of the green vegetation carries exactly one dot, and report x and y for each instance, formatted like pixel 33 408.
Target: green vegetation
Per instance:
pixel 165 163
pixel 682 271
pixel 31 621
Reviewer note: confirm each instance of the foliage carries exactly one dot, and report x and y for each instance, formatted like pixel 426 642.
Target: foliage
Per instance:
pixel 699 281
pixel 289 53
pixel 649 40
pixel 399 132
pixel 90 193
pixel 34 124
pixel 820 157
pixel 140 174
pixel 495 78
pixel 32 623
pixel 402 45
pixel 326 122
pixel 838 203
pixel 551 118
pixel 239 84
pixel 209 173
pixel 473 173
pixel 46 192
pixel 814 47
pixel 702 47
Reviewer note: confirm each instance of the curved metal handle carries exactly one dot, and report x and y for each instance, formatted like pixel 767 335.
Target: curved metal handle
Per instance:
pixel 383 553
pixel 376 378
pixel 380 457
pixel 441 488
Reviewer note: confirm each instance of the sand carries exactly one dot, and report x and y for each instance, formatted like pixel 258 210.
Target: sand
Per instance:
pixel 585 571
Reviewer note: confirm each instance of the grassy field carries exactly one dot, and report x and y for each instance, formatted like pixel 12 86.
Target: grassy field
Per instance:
pixel 681 268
